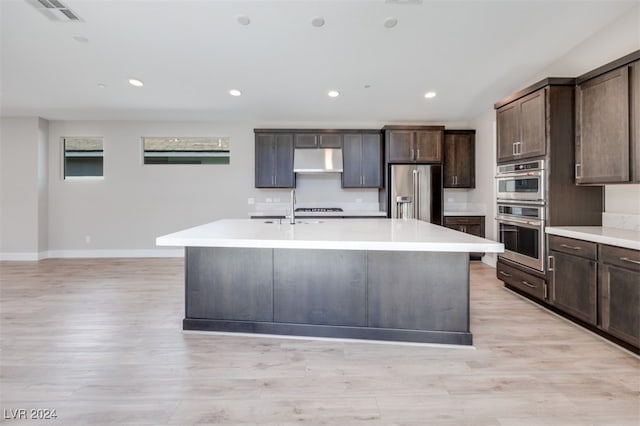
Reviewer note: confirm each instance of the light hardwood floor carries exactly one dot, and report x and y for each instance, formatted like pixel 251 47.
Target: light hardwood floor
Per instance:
pixel 100 341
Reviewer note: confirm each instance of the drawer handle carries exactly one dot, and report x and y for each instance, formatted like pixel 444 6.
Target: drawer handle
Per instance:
pixel 528 284
pixel 626 259
pixel 505 274
pixel 570 247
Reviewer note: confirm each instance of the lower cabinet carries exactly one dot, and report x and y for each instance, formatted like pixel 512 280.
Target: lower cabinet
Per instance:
pixel 473 225
pixel 517 278
pixel 597 284
pixel 620 293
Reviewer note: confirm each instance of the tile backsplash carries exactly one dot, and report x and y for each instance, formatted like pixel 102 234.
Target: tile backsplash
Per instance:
pixel 621 221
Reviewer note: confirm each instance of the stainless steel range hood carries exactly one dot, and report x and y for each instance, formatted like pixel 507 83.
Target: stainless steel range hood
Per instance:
pixel 317 160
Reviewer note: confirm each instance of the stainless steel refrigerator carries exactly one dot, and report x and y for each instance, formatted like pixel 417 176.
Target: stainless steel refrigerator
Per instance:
pixel 416 192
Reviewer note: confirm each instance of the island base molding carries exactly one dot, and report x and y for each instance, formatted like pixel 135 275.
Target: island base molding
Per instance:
pixel 413 296
pixel 327 331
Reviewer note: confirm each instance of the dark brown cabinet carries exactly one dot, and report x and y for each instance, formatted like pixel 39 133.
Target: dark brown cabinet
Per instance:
pixel 620 293
pixel 521 127
pixel 274 160
pixel 362 160
pixel 607 117
pixel 318 140
pixel 421 144
pixel 473 225
pixel 459 159
pixel 573 277
pixel 521 280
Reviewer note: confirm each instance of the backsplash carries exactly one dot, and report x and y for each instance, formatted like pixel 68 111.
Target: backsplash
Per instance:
pixel 621 221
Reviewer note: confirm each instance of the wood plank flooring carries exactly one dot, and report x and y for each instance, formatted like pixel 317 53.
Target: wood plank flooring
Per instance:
pixel 100 341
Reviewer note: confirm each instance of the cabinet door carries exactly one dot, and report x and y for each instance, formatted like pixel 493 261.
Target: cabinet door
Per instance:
pixel 634 76
pixel 284 176
pixel 400 145
pixel 459 161
pixel 428 146
pixel 532 126
pixel 306 140
pixel 371 161
pixel 574 285
pixel 602 128
pixel 265 160
pixel 352 161
pixel 330 140
pixel 619 303
pixel 508 128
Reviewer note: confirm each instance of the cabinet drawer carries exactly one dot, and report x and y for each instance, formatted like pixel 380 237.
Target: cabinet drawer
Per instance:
pixel 574 247
pixel 530 284
pixel 463 220
pixel 622 257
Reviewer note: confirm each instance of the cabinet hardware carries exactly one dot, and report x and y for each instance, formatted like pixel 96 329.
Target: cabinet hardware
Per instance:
pixel 550 263
pixel 273 180
pixel 363 180
pixel 577 173
pixel 515 149
pixel 626 259
pixel 545 291
pixel 417 154
pixel 505 274
pixel 570 247
pixel 413 157
pixel 528 284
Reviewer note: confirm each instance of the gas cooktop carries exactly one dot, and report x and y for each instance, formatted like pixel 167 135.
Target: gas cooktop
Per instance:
pixel 319 209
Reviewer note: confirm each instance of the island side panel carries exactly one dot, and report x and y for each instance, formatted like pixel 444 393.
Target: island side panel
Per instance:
pixel 418 290
pixel 323 287
pixel 229 283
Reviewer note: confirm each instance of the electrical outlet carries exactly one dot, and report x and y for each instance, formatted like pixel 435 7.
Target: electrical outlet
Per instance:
pixel 87 239
pixel 251 201
pixel 358 200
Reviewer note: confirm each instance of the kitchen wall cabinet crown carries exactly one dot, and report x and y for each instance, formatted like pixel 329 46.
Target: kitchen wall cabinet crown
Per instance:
pixel 459 159
pixel 362 160
pixel 607 123
pixel 414 144
pixel 274 160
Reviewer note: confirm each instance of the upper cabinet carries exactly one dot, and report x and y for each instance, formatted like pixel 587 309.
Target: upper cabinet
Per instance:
pixel 318 140
pixel 414 144
pixel 521 127
pixel 362 160
pixel 274 160
pixel 459 159
pixel 607 123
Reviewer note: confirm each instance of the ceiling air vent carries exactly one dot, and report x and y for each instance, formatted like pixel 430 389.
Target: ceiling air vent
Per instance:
pixel 55 10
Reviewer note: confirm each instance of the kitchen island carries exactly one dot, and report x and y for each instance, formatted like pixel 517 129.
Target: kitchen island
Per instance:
pixel 382 279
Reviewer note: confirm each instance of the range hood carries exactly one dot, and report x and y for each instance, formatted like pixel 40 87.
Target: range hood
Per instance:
pixel 317 160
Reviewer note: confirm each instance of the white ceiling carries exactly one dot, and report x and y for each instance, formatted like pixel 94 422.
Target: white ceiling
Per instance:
pixel 190 53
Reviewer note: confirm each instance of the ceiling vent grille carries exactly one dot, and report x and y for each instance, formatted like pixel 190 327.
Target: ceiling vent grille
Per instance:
pixel 55 10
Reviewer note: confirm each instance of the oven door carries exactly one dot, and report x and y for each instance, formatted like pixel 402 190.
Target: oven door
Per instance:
pixel 523 241
pixel 520 186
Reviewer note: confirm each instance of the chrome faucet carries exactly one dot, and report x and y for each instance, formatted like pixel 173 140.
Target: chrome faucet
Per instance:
pixel 292 216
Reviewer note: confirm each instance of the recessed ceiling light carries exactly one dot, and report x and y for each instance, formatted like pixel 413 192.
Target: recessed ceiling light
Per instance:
pixel 430 95
pixel 390 22
pixel 102 85
pixel 243 20
pixel 235 92
pixel 367 86
pixel 333 93
pixel 81 39
pixel 317 21
pixel 134 82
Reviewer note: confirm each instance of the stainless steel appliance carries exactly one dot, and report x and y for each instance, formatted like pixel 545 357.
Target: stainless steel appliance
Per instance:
pixel 416 192
pixel 521 181
pixel 521 230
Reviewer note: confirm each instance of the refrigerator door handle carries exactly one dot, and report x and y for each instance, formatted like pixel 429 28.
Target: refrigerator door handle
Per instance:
pixel 416 194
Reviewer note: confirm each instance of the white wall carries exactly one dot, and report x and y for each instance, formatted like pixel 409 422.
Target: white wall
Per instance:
pixel 614 41
pixel 23 193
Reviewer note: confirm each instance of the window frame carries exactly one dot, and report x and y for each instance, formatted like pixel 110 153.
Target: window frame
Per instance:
pixel 63 168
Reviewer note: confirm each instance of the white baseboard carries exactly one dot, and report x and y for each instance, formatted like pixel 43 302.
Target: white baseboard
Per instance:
pixel 490 259
pixel 73 254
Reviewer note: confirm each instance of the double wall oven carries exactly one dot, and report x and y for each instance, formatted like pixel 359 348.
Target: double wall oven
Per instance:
pixel 521 205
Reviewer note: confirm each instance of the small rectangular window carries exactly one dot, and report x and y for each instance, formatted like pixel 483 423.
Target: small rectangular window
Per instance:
pixel 83 157
pixel 186 150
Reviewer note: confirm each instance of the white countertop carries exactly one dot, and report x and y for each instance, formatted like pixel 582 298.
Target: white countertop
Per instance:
pixel 336 234
pixel 346 213
pixel 598 234
pixel 464 213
